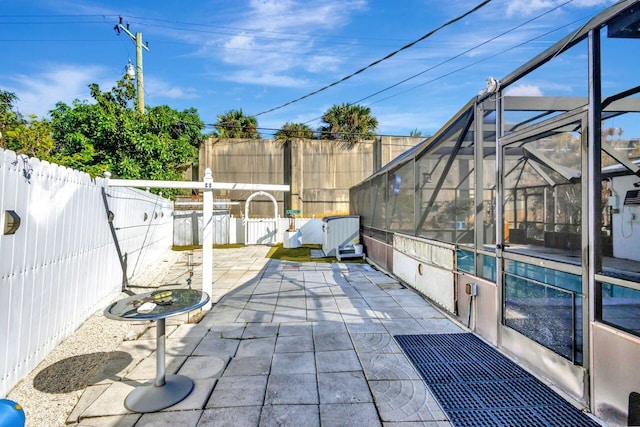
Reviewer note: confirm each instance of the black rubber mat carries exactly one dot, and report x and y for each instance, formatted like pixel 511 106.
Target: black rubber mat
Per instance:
pixel 477 386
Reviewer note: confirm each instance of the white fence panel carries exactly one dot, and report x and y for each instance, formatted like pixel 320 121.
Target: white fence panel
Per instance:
pixel 187 227
pixel 262 231
pixel 62 264
pixel 310 229
pixel 143 223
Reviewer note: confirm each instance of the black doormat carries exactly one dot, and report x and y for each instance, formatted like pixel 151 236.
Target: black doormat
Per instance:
pixel 477 386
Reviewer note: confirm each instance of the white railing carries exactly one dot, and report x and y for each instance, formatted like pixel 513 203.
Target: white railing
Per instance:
pixel 65 261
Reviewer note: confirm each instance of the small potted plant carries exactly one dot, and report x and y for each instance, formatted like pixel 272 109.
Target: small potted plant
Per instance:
pixel 292 238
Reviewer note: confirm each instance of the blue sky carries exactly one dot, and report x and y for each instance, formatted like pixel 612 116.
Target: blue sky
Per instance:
pixel 259 54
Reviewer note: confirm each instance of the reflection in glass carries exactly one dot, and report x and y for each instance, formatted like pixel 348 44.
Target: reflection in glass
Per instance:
pixel 446 193
pixel 401 198
pixel 464 261
pixel 488 267
pixel 379 202
pixel 542 179
pixel 621 307
pixel 620 208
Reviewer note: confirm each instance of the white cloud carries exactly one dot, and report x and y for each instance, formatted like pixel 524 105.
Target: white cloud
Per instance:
pixel 591 3
pixel 38 93
pixel 322 63
pixel 300 16
pixel 264 78
pixel 395 123
pixel 280 40
pixel 157 88
pixel 61 83
pixel 529 7
pixel 524 90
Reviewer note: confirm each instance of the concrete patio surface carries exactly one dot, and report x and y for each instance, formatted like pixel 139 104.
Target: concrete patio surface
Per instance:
pixel 298 344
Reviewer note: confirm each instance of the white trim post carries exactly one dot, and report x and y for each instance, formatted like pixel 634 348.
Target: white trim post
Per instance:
pixel 207 236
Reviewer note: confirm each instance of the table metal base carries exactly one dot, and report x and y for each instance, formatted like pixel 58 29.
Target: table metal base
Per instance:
pixel 151 398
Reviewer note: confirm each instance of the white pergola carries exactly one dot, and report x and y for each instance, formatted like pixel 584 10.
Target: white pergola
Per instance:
pixel 207 185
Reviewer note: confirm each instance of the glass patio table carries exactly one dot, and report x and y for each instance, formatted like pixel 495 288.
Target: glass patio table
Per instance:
pixel 165 390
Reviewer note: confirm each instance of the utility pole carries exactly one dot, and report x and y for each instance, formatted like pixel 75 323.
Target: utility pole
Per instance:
pixel 137 39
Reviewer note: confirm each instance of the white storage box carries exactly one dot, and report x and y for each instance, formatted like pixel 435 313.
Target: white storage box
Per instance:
pixel 340 232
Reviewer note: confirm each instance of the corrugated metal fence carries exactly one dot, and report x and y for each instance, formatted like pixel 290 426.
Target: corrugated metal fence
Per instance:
pixel 63 264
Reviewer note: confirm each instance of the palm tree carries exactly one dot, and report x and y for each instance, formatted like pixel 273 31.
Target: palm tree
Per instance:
pixel 234 124
pixel 293 131
pixel 350 123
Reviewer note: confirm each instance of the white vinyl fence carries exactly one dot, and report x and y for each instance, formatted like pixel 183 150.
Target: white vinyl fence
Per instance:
pixel 310 230
pixel 66 259
pixel 187 229
pixel 188 226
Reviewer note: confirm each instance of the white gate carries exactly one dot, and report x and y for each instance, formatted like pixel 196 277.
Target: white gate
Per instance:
pixel 187 227
pixel 260 231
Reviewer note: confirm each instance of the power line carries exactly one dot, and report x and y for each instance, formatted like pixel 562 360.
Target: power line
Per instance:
pixel 301 37
pixel 57 40
pixel 52 23
pixel 475 63
pixel 361 70
pixel 257 30
pixel 239 31
pixel 465 52
pixel 279 51
pixel 457 56
pixel 288 37
pixel 272 130
pixel 304 37
pixel 56 16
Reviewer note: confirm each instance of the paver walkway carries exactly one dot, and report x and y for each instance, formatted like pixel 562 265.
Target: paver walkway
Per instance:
pixel 299 344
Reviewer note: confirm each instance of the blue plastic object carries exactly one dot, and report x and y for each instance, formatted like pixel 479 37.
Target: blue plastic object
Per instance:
pixel 11 414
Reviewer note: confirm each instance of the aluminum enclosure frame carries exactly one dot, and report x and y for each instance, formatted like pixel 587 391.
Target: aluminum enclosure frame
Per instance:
pixel 580 116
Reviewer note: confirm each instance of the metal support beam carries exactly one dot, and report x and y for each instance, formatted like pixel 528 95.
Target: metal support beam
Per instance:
pixel 540 158
pixel 480 209
pixel 591 199
pixel 624 161
pixel 444 175
pixel 566 43
pixel 616 103
pixel 499 214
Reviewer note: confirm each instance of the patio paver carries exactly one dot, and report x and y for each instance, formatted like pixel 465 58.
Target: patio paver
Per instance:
pixel 284 344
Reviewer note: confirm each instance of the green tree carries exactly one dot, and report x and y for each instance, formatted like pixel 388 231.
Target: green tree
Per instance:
pixel 415 132
pixel 292 131
pixel 31 137
pixel 234 124
pixel 9 117
pixel 350 123
pixel 110 135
